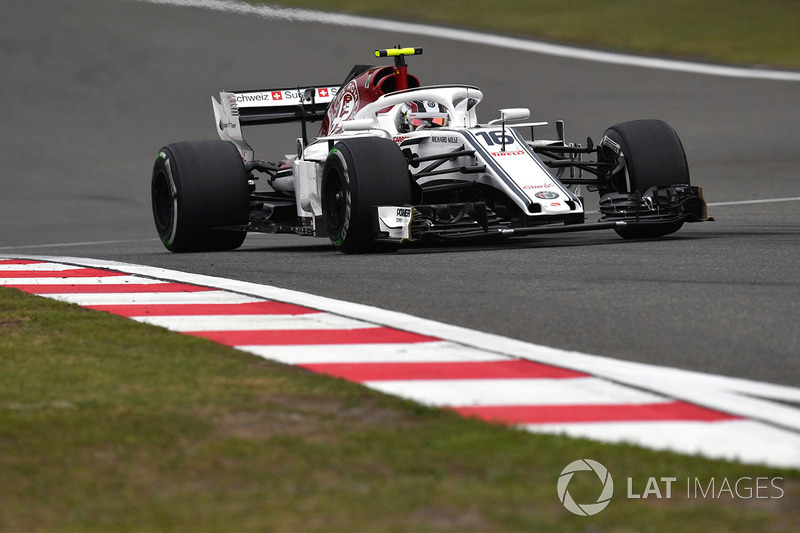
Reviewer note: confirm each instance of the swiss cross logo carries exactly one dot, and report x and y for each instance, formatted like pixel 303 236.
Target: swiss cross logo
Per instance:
pixel 276 95
pixel 323 93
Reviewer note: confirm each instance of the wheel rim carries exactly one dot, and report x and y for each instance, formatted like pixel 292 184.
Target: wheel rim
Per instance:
pixel 163 205
pixel 334 200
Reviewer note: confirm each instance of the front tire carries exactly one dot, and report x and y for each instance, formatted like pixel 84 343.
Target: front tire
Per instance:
pixel 198 187
pixel 359 174
pixel 652 155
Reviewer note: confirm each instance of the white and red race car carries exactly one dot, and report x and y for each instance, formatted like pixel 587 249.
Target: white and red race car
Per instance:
pixel 397 162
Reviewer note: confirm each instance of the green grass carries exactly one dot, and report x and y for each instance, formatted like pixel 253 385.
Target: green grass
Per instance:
pixel 762 33
pixel 111 425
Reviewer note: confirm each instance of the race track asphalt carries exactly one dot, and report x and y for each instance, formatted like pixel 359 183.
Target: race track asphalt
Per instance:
pixel 91 89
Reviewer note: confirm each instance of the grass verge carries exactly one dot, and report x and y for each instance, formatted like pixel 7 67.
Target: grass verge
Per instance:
pixel 743 32
pixel 108 424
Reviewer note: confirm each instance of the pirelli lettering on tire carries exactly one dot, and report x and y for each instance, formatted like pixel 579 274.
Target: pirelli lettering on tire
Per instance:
pixel 168 239
pixel 348 198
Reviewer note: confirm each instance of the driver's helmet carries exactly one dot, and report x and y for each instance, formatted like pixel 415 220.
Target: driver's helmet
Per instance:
pixel 421 114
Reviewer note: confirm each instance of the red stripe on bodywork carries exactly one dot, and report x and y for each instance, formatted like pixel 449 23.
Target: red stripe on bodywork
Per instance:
pixel 72 273
pixel 20 262
pixel 109 288
pixel 448 370
pixel 251 308
pixel 312 336
pixel 552 414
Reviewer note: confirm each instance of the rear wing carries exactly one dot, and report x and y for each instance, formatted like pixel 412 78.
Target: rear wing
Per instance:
pixel 283 105
pixel 270 106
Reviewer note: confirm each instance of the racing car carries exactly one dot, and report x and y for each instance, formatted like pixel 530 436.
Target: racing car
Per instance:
pixel 397 162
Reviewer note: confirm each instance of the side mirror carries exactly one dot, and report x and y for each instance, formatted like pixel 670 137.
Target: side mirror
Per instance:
pixel 515 113
pixel 359 124
pixel 512 114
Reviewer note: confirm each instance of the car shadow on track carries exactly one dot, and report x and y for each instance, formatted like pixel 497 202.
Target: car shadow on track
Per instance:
pixel 477 246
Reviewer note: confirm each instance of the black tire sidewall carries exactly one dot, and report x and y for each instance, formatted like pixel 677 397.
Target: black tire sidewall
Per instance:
pixel 211 190
pixel 339 219
pixel 370 171
pixel 164 196
pixel 653 154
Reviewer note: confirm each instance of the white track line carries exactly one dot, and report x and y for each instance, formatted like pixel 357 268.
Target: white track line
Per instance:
pixel 764 201
pixel 485 39
pixel 85 243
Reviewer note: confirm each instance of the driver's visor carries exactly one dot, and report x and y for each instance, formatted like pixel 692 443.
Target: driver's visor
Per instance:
pixel 428 119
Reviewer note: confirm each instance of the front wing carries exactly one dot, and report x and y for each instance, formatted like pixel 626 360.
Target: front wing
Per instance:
pixel 474 220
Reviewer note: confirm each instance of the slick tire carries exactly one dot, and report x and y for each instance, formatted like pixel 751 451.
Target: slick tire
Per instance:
pixel 360 174
pixel 196 188
pixel 652 155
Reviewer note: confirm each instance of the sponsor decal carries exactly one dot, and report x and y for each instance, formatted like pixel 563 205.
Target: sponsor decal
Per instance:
pixel 613 145
pixel 491 138
pixel 252 97
pixel 342 234
pixel 281 97
pixel 296 95
pixel 540 186
pixel 344 107
pixel 399 138
pixel 450 139
pixel 404 212
pixel 515 152
pixel 546 195
pixel 224 125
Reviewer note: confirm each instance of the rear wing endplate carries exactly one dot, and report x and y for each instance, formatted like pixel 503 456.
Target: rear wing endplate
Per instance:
pixel 271 106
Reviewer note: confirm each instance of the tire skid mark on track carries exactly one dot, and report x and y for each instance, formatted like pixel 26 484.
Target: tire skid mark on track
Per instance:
pixel 432 363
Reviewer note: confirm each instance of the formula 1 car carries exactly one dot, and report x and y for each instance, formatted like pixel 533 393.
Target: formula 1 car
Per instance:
pixel 397 162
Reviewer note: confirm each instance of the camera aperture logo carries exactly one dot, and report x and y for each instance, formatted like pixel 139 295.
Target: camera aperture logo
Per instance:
pixel 585 509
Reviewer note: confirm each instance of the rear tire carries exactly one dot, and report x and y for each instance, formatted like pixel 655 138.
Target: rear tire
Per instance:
pixel 360 174
pixel 197 187
pixel 652 155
